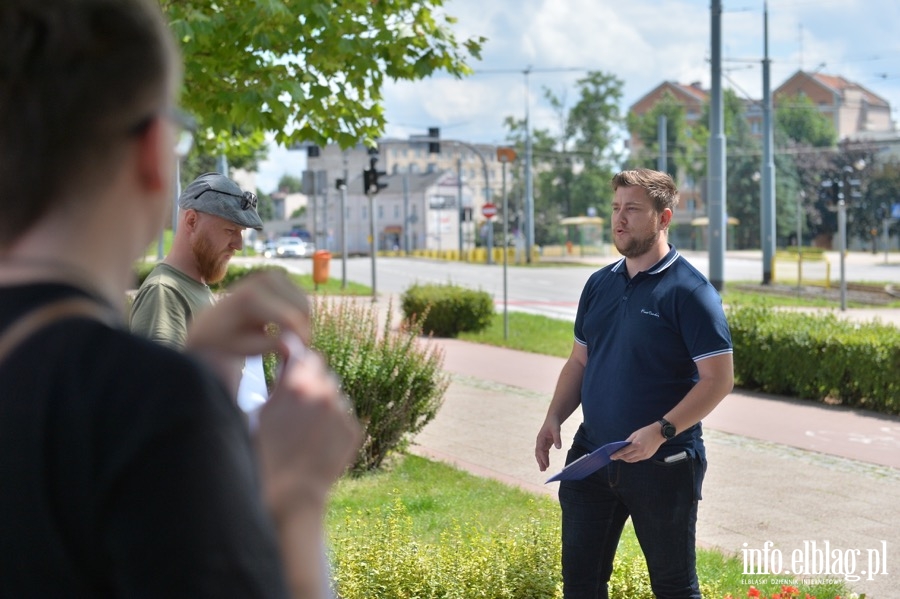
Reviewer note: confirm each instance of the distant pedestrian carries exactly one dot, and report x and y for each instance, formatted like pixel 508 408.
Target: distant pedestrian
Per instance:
pixel 652 356
pixel 214 212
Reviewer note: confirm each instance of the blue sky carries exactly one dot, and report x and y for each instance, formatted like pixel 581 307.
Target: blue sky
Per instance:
pixel 642 42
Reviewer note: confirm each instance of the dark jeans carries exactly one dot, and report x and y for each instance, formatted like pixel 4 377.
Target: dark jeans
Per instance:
pixel 661 499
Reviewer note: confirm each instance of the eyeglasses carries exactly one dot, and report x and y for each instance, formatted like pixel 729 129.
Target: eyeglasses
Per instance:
pixel 249 200
pixel 184 123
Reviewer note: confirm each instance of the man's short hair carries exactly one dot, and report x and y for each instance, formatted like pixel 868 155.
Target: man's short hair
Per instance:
pixel 77 79
pixel 660 187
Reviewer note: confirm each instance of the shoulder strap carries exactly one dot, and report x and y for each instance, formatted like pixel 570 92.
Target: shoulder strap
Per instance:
pixel 46 315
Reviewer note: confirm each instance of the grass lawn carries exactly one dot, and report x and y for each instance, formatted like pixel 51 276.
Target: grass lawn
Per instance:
pixel 331 287
pixel 437 497
pixel 528 332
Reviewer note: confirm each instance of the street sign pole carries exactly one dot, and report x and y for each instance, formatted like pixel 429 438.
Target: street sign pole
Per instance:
pixel 490 237
pixel 489 211
pixel 372 243
pixel 505 155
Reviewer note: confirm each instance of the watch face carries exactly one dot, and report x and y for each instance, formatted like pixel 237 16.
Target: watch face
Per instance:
pixel 667 428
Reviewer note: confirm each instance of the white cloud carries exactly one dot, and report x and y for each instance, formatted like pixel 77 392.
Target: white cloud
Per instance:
pixel 643 43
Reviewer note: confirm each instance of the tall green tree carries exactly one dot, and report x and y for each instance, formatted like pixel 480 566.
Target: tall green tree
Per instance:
pixel 572 168
pixel 290 184
pixel 685 148
pixel 307 70
pixel 799 119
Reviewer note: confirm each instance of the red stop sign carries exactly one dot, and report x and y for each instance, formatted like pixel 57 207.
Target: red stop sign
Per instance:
pixel 489 210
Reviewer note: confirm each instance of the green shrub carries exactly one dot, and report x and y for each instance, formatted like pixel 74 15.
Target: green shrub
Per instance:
pixel 447 310
pixel 394 381
pixel 379 557
pixel 817 356
pixel 234 273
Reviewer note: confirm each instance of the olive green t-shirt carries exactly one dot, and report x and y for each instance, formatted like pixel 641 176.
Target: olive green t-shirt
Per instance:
pixel 165 304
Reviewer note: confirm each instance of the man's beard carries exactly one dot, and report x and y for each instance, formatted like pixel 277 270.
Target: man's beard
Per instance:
pixel 637 247
pixel 212 264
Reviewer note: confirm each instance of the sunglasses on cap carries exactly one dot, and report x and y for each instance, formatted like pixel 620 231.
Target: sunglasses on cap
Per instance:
pixel 249 200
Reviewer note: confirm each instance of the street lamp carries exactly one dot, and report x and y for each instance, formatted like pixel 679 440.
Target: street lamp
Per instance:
pixel 505 156
pixel 800 197
pixel 845 185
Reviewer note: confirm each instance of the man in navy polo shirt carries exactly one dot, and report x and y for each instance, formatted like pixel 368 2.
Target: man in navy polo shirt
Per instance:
pixel 652 356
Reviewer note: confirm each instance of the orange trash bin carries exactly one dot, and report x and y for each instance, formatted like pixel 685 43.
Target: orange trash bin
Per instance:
pixel 321 260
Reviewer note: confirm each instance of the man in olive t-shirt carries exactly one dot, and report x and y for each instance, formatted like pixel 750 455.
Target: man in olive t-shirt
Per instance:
pixel 214 214
pixel 166 302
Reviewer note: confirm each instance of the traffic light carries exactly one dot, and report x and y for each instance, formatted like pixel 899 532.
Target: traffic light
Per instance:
pixel 434 140
pixel 371 184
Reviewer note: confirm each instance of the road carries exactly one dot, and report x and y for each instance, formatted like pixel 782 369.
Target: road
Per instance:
pixel 553 290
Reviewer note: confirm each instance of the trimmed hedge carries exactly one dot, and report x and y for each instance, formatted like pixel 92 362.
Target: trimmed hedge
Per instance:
pixel 447 310
pixel 234 273
pixel 817 356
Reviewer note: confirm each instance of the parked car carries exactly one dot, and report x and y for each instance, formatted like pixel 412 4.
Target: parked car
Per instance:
pixel 290 247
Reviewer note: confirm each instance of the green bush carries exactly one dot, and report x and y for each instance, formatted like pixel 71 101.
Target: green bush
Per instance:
pixel 379 557
pixel 394 381
pixel 816 356
pixel 447 310
pixel 234 273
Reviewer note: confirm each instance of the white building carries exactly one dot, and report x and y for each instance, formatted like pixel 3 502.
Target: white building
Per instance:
pixel 415 211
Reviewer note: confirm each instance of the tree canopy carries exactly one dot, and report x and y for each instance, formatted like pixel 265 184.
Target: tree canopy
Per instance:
pixel 573 168
pixel 798 118
pixel 306 70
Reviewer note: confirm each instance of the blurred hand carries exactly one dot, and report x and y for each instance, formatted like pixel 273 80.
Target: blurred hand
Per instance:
pixel 235 327
pixel 237 323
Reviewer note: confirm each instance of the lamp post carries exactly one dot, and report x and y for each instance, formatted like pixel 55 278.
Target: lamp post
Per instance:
pixel 800 197
pixel 844 187
pixel 505 155
pixel 487 192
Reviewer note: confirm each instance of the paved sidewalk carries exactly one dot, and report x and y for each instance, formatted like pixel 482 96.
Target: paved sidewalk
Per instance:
pixel 791 473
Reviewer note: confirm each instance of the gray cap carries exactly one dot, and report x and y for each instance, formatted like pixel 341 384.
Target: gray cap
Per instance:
pixel 216 194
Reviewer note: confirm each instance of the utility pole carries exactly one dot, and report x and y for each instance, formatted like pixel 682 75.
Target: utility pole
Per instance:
pixel 529 184
pixel 716 161
pixel 767 191
pixel 505 156
pixel 372 186
pixel 662 142
pixel 344 224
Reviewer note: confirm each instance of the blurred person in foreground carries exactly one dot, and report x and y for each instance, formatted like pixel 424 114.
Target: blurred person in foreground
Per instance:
pixel 126 467
pixel 214 212
pixel 652 356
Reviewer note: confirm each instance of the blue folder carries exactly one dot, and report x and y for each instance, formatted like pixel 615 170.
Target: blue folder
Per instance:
pixel 589 462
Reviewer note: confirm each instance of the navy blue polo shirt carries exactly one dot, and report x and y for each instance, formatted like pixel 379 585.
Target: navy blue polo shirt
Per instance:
pixel 643 336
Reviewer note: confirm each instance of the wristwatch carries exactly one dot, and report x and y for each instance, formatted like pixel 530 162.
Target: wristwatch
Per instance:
pixel 666 428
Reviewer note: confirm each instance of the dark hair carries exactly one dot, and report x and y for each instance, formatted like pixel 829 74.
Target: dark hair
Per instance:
pixel 660 187
pixel 77 77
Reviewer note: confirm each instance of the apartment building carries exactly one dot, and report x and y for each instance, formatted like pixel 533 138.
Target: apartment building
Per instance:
pixel 432 184
pixel 857 113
